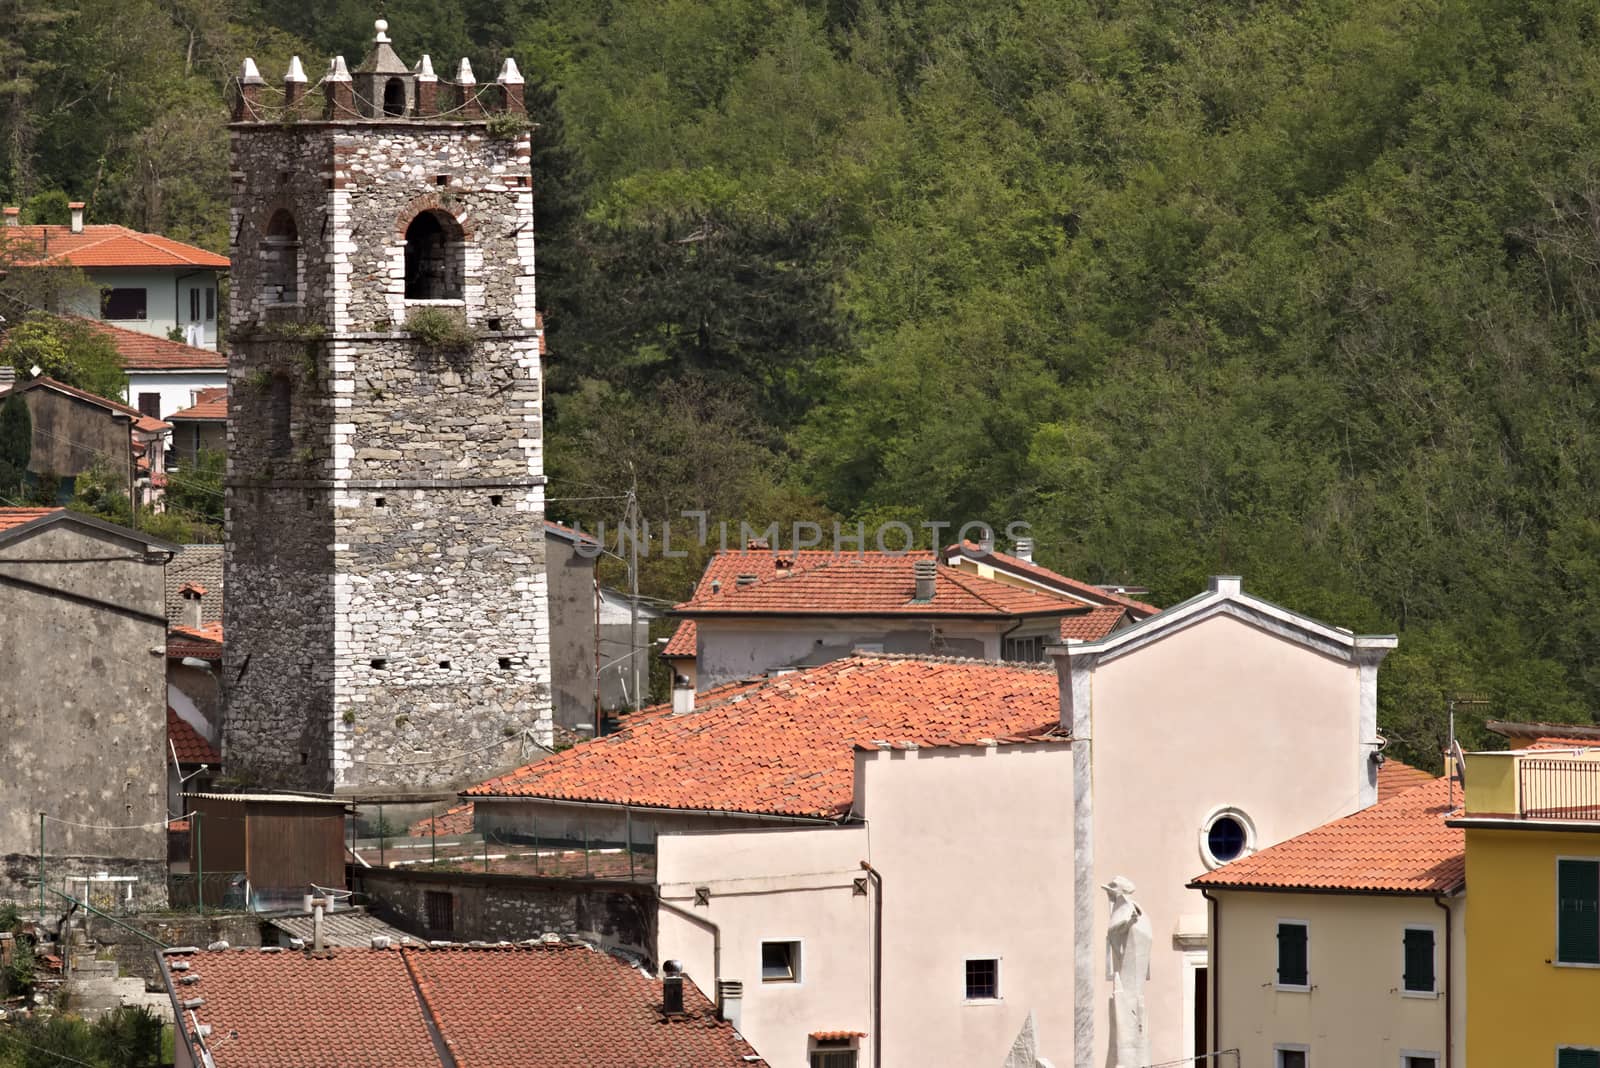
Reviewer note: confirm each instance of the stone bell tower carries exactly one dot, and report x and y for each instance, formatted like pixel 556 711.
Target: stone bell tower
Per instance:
pixel 386 613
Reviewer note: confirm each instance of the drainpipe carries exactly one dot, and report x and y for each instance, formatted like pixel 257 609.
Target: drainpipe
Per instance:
pixel 877 963
pixel 1214 970
pixel 1449 1015
pixel 716 939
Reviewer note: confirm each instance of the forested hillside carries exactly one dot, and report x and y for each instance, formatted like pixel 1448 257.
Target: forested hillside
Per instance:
pixel 1303 291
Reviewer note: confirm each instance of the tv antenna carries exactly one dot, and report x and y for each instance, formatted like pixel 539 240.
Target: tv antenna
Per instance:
pixel 1453 751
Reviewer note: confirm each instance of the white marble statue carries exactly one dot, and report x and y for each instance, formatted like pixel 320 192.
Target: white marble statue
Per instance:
pixel 1128 941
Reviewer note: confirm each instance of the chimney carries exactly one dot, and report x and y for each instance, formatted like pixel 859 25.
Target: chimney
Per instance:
pixel 12 216
pixel 730 1000
pixel 193 609
pixel 340 93
pixel 427 87
pixel 294 83
pixel 470 105
pixel 682 695
pixel 672 988
pixel 77 216
pixel 1227 585
pixel 247 106
pixel 510 83
pixel 1024 550
pixel 316 926
pixel 926 573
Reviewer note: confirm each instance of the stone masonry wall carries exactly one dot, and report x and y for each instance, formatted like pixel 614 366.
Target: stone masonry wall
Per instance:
pixel 387 566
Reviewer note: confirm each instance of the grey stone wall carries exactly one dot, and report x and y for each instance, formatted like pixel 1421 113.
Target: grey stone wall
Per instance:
pixel 492 908
pixel 572 630
pixel 82 710
pixel 386 612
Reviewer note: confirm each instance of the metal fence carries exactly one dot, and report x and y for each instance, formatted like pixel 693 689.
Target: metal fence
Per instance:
pixel 511 854
pixel 219 891
pixel 1558 789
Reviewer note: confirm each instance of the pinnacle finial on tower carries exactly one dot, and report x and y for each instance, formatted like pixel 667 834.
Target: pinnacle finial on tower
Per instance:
pixel 249 74
pixel 464 72
pixel 297 73
pixel 424 69
pixel 337 71
pixel 509 74
pixel 382 34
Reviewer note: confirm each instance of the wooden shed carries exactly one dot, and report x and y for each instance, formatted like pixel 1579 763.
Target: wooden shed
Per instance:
pixel 264 851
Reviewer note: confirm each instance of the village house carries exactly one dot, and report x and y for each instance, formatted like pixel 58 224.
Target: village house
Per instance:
pixel 143 283
pixel 805 825
pixel 1346 945
pixel 756 610
pixel 202 425
pixel 407 1005
pixel 164 376
pixel 75 432
pixel 82 725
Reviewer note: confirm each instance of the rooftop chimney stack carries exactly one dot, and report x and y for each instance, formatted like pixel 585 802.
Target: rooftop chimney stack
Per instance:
pixel 77 216
pixel 13 216
pixel 471 107
pixel 682 695
pixel 672 988
pixel 341 93
pixel 926 573
pixel 510 83
pixel 1227 585
pixel 1024 551
pixel 248 105
pixel 427 87
pixel 316 926
pixel 193 607
pixel 730 1001
pixel 294 83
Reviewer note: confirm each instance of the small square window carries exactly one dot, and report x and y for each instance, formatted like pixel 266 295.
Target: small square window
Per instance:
pixel 1575 1057
pixel 379 502
pixel 825 1056
pixel 444 663
pixel 379 663
pixel 496 499
pixel 780 962
pixel 983 979
pixel 441 911
pixel 1419 1060
pixel 123 304
pixel 1291 1058
pixel 505 663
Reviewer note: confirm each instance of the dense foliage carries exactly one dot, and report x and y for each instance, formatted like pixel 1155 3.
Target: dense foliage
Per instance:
pixel 1305 291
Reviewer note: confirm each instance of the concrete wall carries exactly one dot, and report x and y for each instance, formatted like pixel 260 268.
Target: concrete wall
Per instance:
pixel 1217 714
pixel 70 435
pixel 731 649
pixel 1355 1013
pixel 570 577
pixel 976 862
pixel 601 825
pixel 189 437
pixel 492 907
pixel 83 718
pixel 177 388
pixel 386 610
pixel 166 300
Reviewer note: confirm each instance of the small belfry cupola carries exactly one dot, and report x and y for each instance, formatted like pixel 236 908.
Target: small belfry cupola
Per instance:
pixel 385 87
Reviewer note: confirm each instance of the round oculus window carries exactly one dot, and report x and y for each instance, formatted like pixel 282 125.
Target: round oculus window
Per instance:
pixel 1226 835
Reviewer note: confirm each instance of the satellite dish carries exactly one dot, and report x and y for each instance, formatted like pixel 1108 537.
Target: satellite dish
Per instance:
pixel 1459 760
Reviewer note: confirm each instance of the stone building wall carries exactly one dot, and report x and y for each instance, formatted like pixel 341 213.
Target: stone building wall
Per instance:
pixel 386 553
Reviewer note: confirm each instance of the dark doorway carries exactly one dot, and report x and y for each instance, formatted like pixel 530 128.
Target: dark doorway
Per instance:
pixel 433 257
pixel 394 98
pixel 1202 1014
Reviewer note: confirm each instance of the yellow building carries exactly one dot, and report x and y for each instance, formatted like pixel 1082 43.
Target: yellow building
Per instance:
pixel 1342 947
pixel 1532 823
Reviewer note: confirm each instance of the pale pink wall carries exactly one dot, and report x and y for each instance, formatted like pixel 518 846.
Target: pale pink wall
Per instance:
pixel 775 885
pixel 1217 713
pixel 975 848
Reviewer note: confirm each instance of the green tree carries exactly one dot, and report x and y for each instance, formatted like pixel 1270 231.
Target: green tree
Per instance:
pixel 16 446
pixel 68 350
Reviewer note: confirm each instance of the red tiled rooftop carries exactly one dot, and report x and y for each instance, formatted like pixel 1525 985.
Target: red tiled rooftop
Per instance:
pixel 10 518
pixel 146 352
pixel 1093 593
pixel 454 820
pixel 100 245
pixel 1400 845
pixel 816 582
pixel 1094 624
pixel 785 745
pixel 210 405
pixel 203 644
pixel 558 1005
pixel 685 642
pixel 1395 777
pixel 190 746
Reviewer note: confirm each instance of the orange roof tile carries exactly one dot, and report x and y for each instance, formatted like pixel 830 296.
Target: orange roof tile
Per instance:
pixel 1096 594
pixel 11 518
pixel 818 582
pixel 557 1005
pixel 211 405
pixel 100 245
pixel 1395 777
pixel 836 1036
pixel 1520 734
pixel 146 352
pixel 1399 846
pixel 785 745
pixel 455 820
pixel 203 644
pixel 685 643
pixel 1093 624
pixel 190 746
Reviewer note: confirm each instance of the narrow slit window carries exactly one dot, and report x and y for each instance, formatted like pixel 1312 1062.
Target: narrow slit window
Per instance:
pixel 780 962
pixel 280 259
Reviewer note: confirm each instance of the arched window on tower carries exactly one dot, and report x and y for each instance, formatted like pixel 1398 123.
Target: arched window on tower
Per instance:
pixel 434 243
pixel 394 98
pixel 280 255
pixel 282 416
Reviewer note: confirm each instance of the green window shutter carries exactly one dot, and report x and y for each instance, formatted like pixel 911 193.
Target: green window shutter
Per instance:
pixel 1578 912
pixel 1292 954
pixel 1577 1058
pixel 1419 961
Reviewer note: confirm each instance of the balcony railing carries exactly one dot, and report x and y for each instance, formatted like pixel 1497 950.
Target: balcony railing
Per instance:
pixel 1551 789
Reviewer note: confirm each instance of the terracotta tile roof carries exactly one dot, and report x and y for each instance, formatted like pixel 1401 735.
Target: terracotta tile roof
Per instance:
pixel 211 405
pixel 1394 777
pixel 555 1005
pixel 785 745
pixel 100 245
pixel 10 518
pixel 1093 624
pixel 141 421
pixel 836 1036
pixel 146 352
pixel 1074 586
pixel 684 643
pixel 816 582
pixel 1521 733
pixel 203 644
pixel 1400 845
pixel 567 533
pixel 199 565
pixel 455 820
pixel 191 747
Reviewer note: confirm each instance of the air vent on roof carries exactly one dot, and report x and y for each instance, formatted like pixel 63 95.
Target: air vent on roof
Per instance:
pixel 926 573
pixel 748 579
